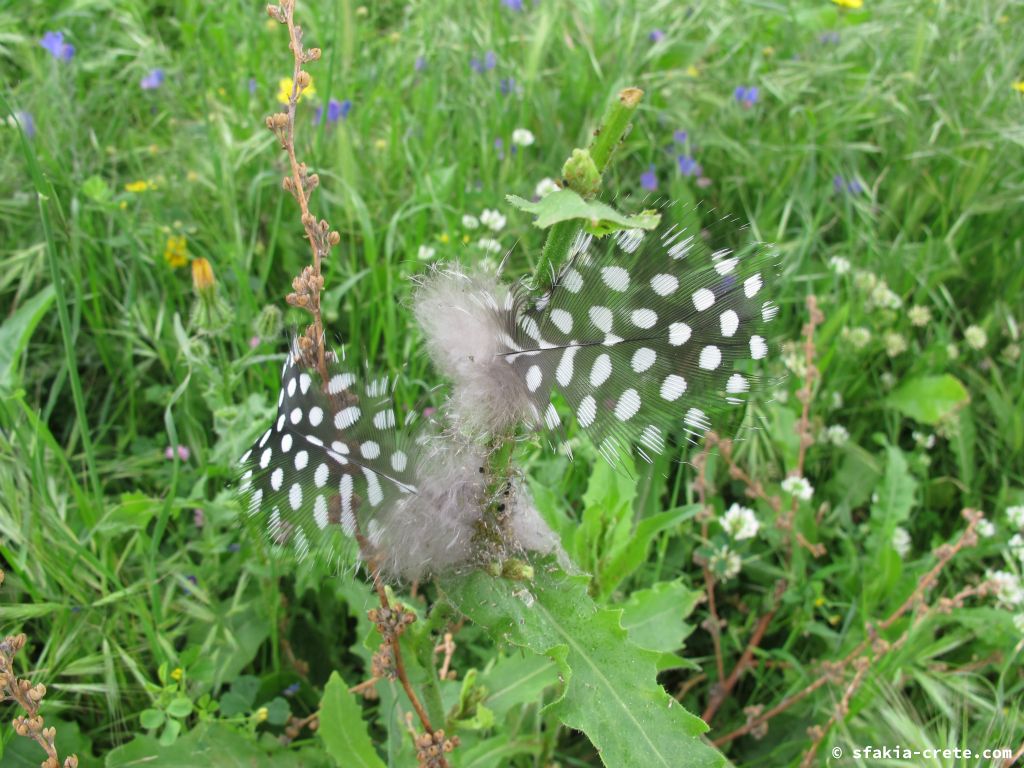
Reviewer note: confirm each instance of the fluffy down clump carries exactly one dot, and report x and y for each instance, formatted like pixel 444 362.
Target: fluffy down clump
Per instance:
pixel 435 530
pixel 463 319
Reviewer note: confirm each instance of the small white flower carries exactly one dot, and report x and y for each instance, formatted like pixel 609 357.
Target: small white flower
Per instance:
pixel 489 245
pixel 545 187
pixel 837 400
pixel 799 487
pixel 1018 622
pixel 522 137
pixel 837 434
pixel 426 253
pixel 725 564
pixel 740 522
pixel 986 529
pixel 926 441
pixel 882 296
pixel 895 344
pixel 1015 515
pixel 470 222
pixel 901 541
pixel 1009 592
pixel 888 380
pixel 952 352
pixel 839 265
pixel 858 337
pixel 492 220
pixel 1016 545
pixel 864 281
pixel 919 316
pixel 975 337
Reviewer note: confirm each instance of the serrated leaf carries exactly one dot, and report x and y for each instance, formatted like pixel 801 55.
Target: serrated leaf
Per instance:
pixel 655 618
pixel 929 399
pixel 611 690
pixel 895 495
pixel 342 727
pixel 517 680
pixel 598 218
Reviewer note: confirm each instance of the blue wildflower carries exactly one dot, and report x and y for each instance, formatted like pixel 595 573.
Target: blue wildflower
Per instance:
pixel 153 80
pixel 829 38
pixel 336 110
pixel 507 85
pixel 489 62
pixel 499 148
pixel 656 36
pixel 54 43
pixel 421 64
pixel 680 137
pixel 27 123
pixel 291 690
pixel 746 95
pixel 840 185
pixel 252 85
pixel 648 179
pixel 688 166
pixel 513 5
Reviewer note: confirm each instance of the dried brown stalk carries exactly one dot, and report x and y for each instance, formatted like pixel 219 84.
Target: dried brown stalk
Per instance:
pixel 28 696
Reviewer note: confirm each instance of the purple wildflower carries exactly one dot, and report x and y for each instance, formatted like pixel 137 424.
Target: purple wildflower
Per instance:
pixel 829 38
pixel 507 85
pixel 688 166
pixel 27 123
pixel 746 95
pixel 680 137
pixel 336 110
pixel 421 64
pixel 252 85
pixel 291 690
pixel 854 187
pixel 198 518
pixel 648 179
pixel 656 36
pixel 499 148
pixel 513 5
pixel 54 43
pixel 254 342
pixel 840 185
pixel 489 62
pixel 153 80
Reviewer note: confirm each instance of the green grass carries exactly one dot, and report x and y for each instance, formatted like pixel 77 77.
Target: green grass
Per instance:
pixel 107 572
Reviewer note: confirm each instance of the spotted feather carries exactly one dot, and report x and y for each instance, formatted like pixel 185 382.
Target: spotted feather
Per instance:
pixel 647 334
pixel 331 460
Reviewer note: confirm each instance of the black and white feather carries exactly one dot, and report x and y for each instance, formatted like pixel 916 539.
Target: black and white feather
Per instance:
pixel 330 462
pixel 644 334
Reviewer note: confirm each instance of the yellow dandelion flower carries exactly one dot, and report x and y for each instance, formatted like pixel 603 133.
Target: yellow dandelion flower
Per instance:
pixel 854 4
pixel 819 601
pixel 177 673
pixel 465 238
pixel 202 275
pixel 381 144
pixel 1019 86
pixel 284 90
pixel 443 238
pixel 176 251
pixel 139 186
pixel 692 71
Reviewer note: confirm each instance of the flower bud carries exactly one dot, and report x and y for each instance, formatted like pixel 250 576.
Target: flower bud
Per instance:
pixel 202 276
pixel 580 171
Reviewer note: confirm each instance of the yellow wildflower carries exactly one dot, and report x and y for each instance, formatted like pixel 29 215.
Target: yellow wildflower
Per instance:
pixel 177 673
pixel 271 24
pixel 692 71
pixel 465 238
pixel 176 251
pixel 834 619
pixel 139 186
pixel 123 205
pixel 819 601
pixel 768 50
pixel 202 275
pixel 285 85
pixel 1019 86
pixel 262 714
pixel 381 143
pixel 443 238
pixel 849 3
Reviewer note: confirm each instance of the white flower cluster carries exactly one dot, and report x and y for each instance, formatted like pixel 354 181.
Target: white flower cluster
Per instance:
pixel 895 344
pixel 798 486
pixel 975 337
pixel 1015 515
pixel 858 337
pixel 840 265
pixel 923 440
pixel 1009 591
pixel 545 187
pixel 725 564
pixel 493 220
pixel 901 541
pixel 837 434
pixel 919 316
pixel 740 523
pixel 522 137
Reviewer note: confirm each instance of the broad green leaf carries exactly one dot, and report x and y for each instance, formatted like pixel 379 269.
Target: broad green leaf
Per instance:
pixel 517 680
pixel 17 330
pixel 611 690
pixel 655 618
pixel 597 218
pixel 342 728
pixel 929 399
pixel 151 718
pixel 627 558
pixel 895 495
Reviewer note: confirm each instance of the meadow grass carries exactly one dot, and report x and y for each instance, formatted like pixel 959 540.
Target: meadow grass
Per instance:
pixel 108 571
